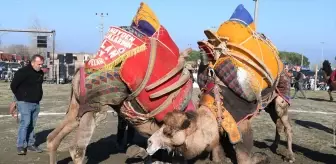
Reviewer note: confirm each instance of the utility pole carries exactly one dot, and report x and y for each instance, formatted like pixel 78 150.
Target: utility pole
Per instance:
pixel 101 28
pixel 53 56
pixel 255 12
pixel 322 55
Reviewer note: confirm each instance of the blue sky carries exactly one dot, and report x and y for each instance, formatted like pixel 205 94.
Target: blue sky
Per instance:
pixel 293 25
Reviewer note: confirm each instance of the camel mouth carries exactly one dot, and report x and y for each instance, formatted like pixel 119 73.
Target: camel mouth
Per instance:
pixel 169 149
pixel 151 150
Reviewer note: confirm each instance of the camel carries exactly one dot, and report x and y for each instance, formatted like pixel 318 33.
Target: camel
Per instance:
pixel 138 71
pixel 193 133
pixel 142 80
pixel 90 119
pixel 229 94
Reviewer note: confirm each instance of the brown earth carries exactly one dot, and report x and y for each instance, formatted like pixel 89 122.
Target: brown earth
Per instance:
pixel 313 138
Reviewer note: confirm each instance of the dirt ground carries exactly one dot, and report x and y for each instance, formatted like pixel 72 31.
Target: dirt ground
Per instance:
pixel 312 122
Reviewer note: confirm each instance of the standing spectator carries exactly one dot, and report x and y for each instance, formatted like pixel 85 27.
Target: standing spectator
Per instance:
pixel 1 71
pixel 298 82
pixel 312 83
pixel 27 89
pixel 22 63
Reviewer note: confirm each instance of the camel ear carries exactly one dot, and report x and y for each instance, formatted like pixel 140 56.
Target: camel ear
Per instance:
pixel 185 124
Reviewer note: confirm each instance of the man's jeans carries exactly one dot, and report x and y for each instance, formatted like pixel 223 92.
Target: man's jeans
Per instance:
pixel 29 113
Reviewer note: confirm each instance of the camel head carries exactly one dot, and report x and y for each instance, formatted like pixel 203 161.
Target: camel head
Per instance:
pixel 177 125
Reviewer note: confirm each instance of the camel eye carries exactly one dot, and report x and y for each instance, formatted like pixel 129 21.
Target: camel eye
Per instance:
pixel 168 131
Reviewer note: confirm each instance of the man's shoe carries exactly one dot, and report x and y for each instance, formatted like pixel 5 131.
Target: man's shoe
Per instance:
pixel 21 151
pixel 34 149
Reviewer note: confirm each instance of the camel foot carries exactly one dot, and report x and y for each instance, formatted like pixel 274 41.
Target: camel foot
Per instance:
pixel 291 158
pixel 77 154
pixel 260 158
pixel 134 151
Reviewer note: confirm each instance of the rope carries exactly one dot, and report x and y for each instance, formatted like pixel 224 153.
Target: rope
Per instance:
pixel 174 71
pixel 150 67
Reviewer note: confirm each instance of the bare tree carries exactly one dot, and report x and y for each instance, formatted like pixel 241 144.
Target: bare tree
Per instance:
pixel 33 49
pixel 1 34
pixel 18 49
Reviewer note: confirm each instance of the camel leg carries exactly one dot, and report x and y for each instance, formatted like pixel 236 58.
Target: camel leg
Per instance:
pixel 83 137
pixel 275 116
pixel 243 149
pixel 66 126
pixel 289 135
pixel 281 108
pixel 218 154
pixel 54 133
pixel 71 114
pixel 55 142
pixel 279 129
pixel 330 96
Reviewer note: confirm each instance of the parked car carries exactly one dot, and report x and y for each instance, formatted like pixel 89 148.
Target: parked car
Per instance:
pixel 9 69
pixel 2 68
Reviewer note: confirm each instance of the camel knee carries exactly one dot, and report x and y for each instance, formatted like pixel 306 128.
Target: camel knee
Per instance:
pixel 51 146
pixel 281 106
pixel 279 126
pixel 289 131
pixel 52 135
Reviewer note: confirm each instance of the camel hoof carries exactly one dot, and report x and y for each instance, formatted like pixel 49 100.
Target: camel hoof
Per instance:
pixel 134 151
pixel 260 158
pixel 291 159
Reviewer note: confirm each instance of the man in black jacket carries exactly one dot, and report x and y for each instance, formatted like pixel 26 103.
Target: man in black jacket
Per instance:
pixel 27 89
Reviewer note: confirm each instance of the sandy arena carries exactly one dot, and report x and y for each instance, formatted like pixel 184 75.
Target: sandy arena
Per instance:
pixel 312 122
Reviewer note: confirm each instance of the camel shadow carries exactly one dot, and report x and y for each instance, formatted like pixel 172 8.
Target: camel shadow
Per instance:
pixel 99 151
pixel 41 137
pixel 309 125
pixel 311 154
pixel 319 99
pixel 102 149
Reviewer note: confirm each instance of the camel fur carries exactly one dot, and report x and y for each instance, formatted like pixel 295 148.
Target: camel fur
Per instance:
pixel 189 133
